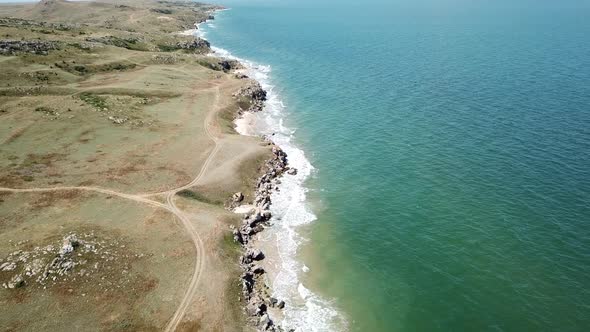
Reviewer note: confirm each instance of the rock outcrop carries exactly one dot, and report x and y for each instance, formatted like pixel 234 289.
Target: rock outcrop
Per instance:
pixel 75 257
pixel 254 290
pixel 229 65
pixel 197 45
pixel 39 47
pixel 255 94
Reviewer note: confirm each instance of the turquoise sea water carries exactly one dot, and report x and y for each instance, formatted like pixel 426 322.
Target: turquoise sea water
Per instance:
pixel 451 146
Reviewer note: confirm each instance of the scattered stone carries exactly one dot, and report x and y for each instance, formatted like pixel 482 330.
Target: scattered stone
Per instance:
pixel 118 120
pixel 167 59
pixel 69 243
pixel 39 47
pixel 43 266
pixel 16 282
pixel 238 197
pixel 8 266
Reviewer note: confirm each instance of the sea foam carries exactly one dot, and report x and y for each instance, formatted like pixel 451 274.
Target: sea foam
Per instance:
pixel 304 310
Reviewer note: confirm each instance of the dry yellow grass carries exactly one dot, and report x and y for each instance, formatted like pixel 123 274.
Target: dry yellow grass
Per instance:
pixel 60 128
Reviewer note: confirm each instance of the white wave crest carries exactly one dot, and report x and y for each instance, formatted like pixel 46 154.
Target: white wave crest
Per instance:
pixel 304 310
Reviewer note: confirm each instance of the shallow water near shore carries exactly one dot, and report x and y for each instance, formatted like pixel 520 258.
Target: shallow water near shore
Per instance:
pixel 450 186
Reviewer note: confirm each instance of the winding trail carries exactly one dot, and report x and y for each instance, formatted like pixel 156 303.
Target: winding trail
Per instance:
pixel 190 292
pixel 170 206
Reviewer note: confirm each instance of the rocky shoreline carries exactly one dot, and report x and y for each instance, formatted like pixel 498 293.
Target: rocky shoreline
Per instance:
pixel 256 293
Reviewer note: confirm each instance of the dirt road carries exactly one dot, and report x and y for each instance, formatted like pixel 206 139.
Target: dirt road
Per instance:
pixel 170 206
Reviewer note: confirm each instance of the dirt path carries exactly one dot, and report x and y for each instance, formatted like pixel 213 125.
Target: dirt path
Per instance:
pixel 170 195
pixel 211 156
pixel 169 206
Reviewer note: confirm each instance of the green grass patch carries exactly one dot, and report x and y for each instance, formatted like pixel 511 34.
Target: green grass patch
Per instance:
pixel 167 48
pixel 230 248
pixel 46 110
pixel 116 66
pixel 209 65
pixel 162 11
pixel 190 194
pixel 94 100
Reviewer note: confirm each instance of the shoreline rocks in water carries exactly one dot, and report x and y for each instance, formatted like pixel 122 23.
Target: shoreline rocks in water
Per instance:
pixel 256 293
pixel 254 289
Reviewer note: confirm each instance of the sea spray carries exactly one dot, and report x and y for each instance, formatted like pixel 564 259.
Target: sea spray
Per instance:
pixel 304 310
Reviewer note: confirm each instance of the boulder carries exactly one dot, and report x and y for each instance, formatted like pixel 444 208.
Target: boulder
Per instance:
pixel 253 91
pixel 265 322
pixel 248 282
pixel 238 197
pixel 257 269
pixel 16 282
pixel 251 310
pixel 252 255
pixel 229 65
pixel 8 266
pixel 273 302
pixel 257 255
pixel 69 243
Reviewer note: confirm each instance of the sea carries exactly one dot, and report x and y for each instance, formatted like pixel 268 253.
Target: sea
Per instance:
pixel 443 156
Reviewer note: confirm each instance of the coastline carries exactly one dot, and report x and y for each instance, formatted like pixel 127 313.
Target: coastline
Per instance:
pixel 275 297
pixel 263 310
pixel 148 82
pixel 142 153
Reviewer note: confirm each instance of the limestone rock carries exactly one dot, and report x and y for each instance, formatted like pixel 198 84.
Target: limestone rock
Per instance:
pixel 16 282
pixel 40 47
pixel 238 197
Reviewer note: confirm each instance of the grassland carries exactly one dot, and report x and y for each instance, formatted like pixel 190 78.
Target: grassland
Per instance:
pixel 117 129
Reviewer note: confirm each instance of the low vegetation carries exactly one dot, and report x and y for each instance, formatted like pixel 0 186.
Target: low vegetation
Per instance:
pixel 108 94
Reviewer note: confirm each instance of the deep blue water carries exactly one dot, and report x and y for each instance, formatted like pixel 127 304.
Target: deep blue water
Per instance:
pixel 452 146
